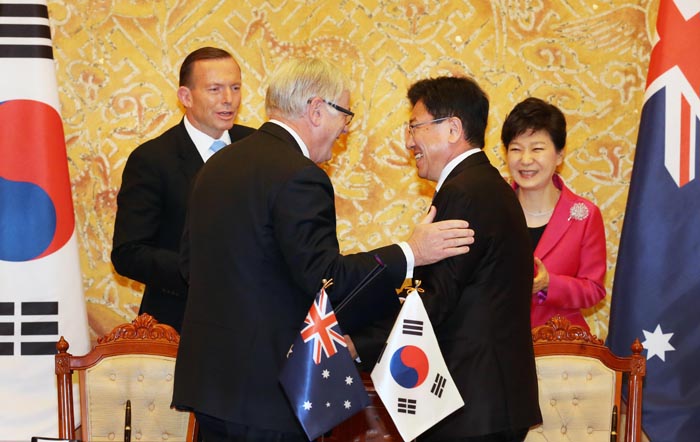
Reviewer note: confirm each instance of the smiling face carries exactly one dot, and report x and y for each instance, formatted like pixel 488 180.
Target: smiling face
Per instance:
pixel 213 96
pixel 532 159
pixel 429 143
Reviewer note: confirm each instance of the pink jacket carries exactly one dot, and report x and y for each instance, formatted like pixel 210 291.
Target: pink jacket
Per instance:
pixel 572 249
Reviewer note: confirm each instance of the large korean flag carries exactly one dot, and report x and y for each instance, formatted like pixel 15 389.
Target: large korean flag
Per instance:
pixel 411 377
pixel 41 295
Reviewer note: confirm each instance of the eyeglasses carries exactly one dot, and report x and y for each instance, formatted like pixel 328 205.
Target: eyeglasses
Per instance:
pixel 348 113
pixel 414 126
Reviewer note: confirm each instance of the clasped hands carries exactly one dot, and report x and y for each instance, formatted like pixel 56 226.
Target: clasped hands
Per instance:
pixel 541 281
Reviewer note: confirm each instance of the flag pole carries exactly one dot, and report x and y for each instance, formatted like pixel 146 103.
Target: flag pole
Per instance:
pixel 379 268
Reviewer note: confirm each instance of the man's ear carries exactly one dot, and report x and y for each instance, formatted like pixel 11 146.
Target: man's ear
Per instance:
pixel 456 129
pixel 185 96
pixel 313 111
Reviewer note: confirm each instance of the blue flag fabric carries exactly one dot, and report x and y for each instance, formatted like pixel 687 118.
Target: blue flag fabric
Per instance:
pixel 656 292
pixel 319 376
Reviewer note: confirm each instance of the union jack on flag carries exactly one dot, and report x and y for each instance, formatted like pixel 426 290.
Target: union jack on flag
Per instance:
pixel 675 72
pixel 321 327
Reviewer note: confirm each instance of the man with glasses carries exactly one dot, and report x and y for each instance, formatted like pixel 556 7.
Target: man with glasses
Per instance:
pixel 259 240
pixel 478 303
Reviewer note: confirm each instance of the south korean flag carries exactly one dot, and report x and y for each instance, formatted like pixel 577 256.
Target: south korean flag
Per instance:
pixel 411 376
pixel 41 286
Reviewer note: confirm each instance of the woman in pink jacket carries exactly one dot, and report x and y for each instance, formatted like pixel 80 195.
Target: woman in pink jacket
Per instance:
pixel 567 230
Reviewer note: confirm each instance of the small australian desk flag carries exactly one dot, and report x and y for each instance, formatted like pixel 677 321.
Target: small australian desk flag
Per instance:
pixel 319 376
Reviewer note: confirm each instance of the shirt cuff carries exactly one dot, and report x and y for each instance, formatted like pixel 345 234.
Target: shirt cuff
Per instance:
pixel 410 259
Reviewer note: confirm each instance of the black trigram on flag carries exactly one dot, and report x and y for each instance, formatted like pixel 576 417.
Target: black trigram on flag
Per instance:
pixel 438 386
pixel 37 330
pixel 29 25
pixel 412 327
pixel 407 406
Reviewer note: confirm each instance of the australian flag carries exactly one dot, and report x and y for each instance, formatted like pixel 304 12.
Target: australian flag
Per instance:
pixel 319 376
pixel 656 292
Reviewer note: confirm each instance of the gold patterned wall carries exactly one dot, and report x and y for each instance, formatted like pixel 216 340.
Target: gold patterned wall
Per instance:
pixel 117 64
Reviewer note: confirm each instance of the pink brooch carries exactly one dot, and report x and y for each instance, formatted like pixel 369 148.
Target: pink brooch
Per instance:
pixel 578 211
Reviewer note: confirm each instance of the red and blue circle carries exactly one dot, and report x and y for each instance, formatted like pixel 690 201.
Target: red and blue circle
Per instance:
pixel 37 217
pixel 409 366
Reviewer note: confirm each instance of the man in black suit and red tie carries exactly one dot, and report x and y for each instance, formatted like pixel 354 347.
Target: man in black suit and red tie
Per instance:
pixel 259 240
pixel 158 176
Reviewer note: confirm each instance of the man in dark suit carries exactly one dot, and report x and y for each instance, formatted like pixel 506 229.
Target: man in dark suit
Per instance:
pixel 157 179
pixel 478 303
pixel 259 240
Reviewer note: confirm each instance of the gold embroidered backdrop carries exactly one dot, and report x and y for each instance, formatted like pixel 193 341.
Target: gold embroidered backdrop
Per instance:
pixel 118 61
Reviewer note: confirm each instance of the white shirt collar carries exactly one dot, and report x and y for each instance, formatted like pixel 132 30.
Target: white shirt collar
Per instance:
pixel 452 164
pixel 297 138
pixel 203 141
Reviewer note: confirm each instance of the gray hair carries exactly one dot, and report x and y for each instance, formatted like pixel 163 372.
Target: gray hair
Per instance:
pixel 296 81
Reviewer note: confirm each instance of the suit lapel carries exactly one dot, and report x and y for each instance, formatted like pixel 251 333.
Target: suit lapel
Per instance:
pixel 189 158
pixel 558 224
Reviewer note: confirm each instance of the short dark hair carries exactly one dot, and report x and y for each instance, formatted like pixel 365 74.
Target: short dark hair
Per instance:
pixel 205 53
pixel 459 97
pixel 534 114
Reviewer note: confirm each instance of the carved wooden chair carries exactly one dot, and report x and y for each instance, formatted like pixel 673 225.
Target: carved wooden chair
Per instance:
pixel 134 362
pixel 580 386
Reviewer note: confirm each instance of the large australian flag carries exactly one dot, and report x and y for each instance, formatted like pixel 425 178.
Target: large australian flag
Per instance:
pixel 319 376
pixel 656 292
pixel 41 296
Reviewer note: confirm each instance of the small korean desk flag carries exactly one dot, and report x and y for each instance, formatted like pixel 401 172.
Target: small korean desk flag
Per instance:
pixel 411 377
pixel 319 376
